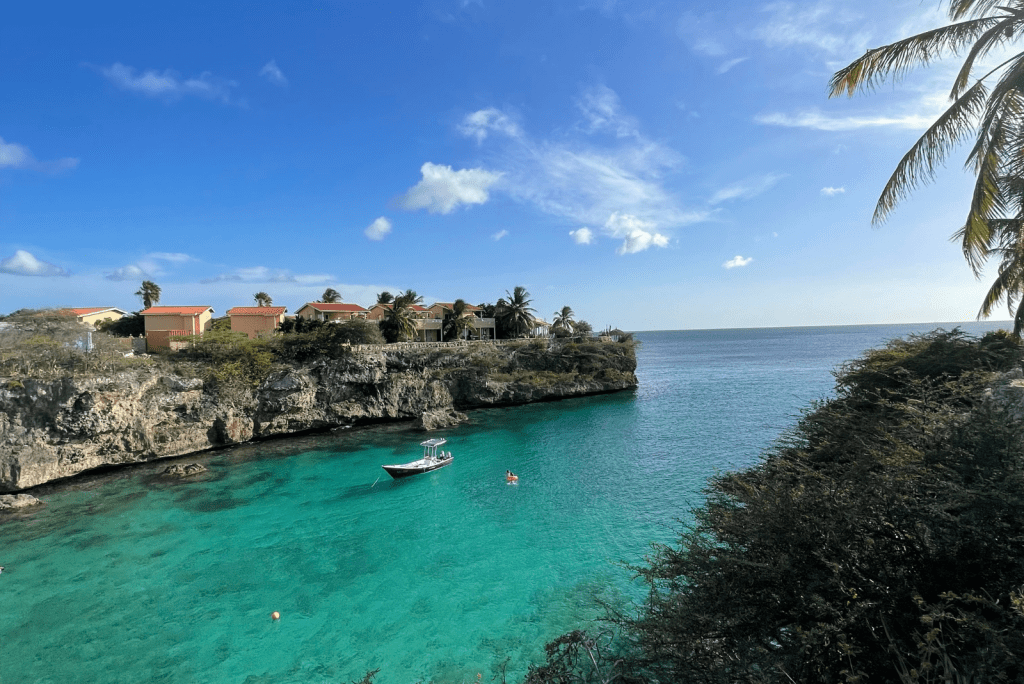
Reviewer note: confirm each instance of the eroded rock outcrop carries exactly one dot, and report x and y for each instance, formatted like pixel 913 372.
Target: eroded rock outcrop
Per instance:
pixel 58 428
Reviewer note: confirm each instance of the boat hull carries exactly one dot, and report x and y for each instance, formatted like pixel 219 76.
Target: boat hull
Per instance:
pixel 414 468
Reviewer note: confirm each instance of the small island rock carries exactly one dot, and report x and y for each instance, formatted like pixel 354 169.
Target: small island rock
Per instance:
pixel 12 501
pixel 184 469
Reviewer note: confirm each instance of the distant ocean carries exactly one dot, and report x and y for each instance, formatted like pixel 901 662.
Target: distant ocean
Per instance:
pixel 127 578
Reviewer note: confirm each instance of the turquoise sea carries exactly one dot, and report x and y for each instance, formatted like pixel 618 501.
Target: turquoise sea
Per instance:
pixel 123 577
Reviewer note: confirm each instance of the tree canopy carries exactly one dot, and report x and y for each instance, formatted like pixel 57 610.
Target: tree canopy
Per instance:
pixel 515 312
pixel 263 299
pixel 985 102
pixel 330 296
pixel 149 292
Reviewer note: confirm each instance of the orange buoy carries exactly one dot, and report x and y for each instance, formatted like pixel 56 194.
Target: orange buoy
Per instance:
pixel 275 615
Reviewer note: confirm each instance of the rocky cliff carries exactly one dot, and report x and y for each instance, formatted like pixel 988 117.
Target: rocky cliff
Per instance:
pixel 56 428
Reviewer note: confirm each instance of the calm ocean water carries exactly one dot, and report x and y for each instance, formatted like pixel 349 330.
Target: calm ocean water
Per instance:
pixel 127 578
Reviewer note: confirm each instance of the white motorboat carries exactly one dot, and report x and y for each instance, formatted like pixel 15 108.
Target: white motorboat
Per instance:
pixel 431 460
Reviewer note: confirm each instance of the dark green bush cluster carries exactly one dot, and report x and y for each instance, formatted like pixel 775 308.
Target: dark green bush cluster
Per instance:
pixel 230 358
pixel 307 339
pixel 882 540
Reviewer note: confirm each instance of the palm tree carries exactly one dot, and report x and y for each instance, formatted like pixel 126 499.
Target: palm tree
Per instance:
pixel 398 321
pixel 515 312
pixel 263 299
pixel 330 296
pixel 987 106
pixel 459 321
pixel 385 297
pixel 150 293
pixel 563 322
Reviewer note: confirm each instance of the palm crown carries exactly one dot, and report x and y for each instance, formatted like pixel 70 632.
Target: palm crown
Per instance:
pixel 986 102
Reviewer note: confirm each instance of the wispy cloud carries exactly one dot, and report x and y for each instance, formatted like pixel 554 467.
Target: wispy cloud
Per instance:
pixel 589 183
pixel 25 264
pixel 273 73
pixel 169 85
pixel 821 122
pixel 582 236
pixel 746 189
pixel 442 189
pixel 500 234
pixel 262 274
pixel 14 156
pixel 153 264
pixel 486 121
pixel 129 272
pixel 378 229
pixel 737 262
pixel 831 192
pixel 602 110
pixel 726 66
pixel 820 25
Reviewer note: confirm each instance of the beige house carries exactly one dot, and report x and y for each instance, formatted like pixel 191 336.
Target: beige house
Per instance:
pixel 256 321
pixel 324 311
pixel 165 322
pixel 485 327
pixel 428 328
pixel 91 315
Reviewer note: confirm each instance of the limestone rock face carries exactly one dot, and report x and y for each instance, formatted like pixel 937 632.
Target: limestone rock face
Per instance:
pixel 57 428
pixel 438 419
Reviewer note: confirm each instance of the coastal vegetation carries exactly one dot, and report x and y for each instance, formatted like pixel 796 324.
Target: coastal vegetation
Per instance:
pixel 986 106
pixel 880 540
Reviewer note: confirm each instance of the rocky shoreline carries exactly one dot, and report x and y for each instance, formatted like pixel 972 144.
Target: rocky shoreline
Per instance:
pixel 57 428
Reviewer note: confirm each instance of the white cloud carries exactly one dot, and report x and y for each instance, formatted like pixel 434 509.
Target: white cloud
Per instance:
pixel 481 123
pixel 262 274
pixel 636 233
pixel 14 156
pixel 821 122
pixel 746 189
pixel 582 236
pixel 169 85
pixel 500 234
pixel 600 106
pixel 25 264
pixel 820 25
pixel 273 73
pixel 831 192
pixel 175 257
pixel 378 229
pixel 129 272
pixel 737 262
pixel 585 182
pixel 442 189
pixel 726 66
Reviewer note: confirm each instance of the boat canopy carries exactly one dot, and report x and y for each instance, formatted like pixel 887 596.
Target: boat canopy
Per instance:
pixel 435 442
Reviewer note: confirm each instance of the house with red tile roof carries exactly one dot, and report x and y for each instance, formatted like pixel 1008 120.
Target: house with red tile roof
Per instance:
pixel 326 311
pixel 91 315
pixel 256 321
pixel 166 322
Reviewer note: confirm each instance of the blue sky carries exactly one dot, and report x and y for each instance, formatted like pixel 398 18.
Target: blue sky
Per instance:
pixel 653 165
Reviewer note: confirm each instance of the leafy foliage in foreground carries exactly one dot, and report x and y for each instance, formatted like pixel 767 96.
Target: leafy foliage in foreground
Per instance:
pixel 881 541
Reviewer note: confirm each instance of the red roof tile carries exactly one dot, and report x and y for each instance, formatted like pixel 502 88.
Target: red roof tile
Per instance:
pixel 92 309
pixel 256 311
pixel 325 306
pixel 179 310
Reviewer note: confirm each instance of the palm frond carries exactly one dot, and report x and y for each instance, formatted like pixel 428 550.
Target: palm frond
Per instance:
pixel 919 163
pixel 1001 32
pixel 895 59
pixel 958 9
